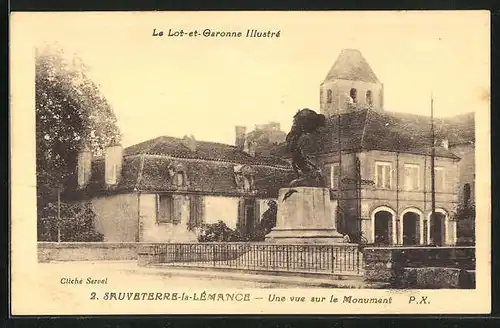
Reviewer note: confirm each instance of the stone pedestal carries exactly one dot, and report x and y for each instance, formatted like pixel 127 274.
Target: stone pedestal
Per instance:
pixel 305 217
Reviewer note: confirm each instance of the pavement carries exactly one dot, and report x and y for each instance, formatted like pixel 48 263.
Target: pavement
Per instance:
pixel 194 277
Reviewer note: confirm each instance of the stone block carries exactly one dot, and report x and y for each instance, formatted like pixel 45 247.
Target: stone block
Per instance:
pixel 304 217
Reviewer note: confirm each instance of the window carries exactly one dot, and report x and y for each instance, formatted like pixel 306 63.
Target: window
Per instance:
pixel 334 175
pixel 383 175
pixel 354 95
pixel 439 176
pixel 165 209
pixel 329 96
pixel 369 98
pixel 411 177
pixel 467 192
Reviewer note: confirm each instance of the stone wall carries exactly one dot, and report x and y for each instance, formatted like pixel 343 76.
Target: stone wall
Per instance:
pixel 218 208
pixel 73 251
pixel 116 217
pixel 421 267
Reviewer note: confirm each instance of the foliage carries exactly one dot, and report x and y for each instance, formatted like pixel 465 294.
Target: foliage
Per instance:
pixel 70 113
pixel 218 232
pixel 76 223
pixel 465 215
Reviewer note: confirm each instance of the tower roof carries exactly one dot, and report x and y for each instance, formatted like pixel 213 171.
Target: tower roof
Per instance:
pixel 351 65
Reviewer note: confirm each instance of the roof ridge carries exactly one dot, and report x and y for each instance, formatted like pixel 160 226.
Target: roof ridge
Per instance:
pixel 158 140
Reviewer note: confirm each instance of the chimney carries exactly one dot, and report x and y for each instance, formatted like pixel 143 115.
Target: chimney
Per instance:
pixel 189 142
pixel 84 166
pixel 240 137
pixel 445 144
pixel 113 164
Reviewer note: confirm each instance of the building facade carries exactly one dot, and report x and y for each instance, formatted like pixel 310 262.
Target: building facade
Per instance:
pixel 378 163
pixel 164 189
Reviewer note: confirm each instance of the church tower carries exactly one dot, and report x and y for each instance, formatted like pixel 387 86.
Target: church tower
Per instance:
pixel 350 85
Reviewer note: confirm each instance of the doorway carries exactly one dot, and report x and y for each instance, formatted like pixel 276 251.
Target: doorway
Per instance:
pixel 411 229
pixel 383 228
pixel 437 228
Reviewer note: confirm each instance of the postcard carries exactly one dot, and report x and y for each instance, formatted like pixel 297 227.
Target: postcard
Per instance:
pixel 250 162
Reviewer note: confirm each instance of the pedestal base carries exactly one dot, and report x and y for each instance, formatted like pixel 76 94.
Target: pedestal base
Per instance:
pixel 305 217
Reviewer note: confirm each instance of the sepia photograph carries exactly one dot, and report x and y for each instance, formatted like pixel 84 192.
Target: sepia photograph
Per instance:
pixel 250 162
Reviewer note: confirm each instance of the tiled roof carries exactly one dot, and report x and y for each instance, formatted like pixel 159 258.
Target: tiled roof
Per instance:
pixel 209 170
pixel 390 131
pixel 460 129
pixel 351 65
pixel 205 150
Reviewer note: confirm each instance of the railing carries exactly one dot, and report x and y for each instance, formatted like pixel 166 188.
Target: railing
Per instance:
pixel 323 259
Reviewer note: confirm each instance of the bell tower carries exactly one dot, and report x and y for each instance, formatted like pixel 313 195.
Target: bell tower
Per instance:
pixel 350 85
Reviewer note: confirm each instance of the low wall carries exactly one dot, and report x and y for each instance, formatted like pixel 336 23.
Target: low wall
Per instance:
pixel 97 251
pixel 421 267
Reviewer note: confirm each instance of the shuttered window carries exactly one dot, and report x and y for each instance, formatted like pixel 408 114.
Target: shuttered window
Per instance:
pixel 196 211
pixel 165 207
pixel 411 177
pixel 383 175
pixel 439 176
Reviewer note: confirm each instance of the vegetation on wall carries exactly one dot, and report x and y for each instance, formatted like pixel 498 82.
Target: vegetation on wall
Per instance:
pixel 77 225
pixel 465 215
pixel 70 113
pixel 220 232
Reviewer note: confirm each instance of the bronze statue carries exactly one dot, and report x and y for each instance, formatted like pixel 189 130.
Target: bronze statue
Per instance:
pixel 306 121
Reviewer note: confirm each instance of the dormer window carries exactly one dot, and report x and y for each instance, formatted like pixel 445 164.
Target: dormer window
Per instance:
pixel 354 95
pixel 178 176
pixel 244 178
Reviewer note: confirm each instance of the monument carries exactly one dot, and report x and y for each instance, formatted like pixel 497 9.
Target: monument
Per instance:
pixel 304 209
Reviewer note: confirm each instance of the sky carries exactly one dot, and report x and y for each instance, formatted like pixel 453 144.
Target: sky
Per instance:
pixel 205 86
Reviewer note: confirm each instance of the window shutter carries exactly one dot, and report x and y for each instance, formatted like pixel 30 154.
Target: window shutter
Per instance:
pixel 388 173
pixel 177 210
pixel 196 211
pixel 379 173
pixel 201 211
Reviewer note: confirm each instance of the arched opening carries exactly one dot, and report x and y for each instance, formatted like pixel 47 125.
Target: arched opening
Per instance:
pixel 369 98
pixel 411 228
pixel 329 96
pixel 437 229
pixel 383 227
pixel 354 95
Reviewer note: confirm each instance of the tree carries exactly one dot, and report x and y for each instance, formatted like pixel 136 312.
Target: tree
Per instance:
pixel 71 113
